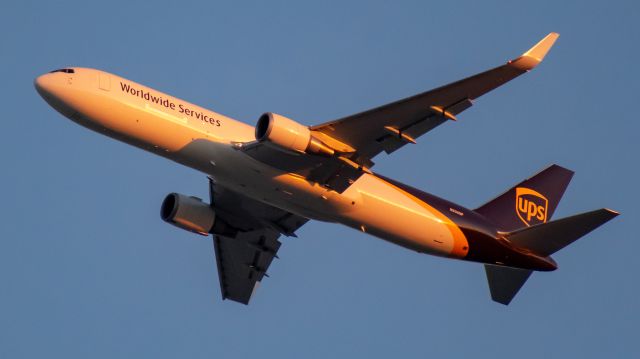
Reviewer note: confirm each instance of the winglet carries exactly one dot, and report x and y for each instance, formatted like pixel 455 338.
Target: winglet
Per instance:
pixel 536 54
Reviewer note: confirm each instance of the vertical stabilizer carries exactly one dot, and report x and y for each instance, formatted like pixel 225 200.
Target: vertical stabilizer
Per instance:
pixel 530 202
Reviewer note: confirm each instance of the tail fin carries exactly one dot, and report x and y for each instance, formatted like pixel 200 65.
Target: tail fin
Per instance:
pixel 530 202
pixel 546 239
pixel 543 239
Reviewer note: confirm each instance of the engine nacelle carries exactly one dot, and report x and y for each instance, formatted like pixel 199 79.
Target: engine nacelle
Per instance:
pixel 288 134
pixel 189 213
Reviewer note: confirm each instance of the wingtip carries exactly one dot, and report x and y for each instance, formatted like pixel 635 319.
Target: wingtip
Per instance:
pixel 502 301
pixel 536 54
pixel 612 212
pixel 539 50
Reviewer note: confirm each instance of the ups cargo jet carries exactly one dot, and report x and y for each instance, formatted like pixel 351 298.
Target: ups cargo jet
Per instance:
pixel 269 180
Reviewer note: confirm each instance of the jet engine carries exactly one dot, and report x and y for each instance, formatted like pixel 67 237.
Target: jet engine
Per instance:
pixel 189 213
pixel 287 134
pixel 193 215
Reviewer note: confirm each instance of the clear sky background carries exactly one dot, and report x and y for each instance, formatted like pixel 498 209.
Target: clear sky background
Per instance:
pixel 88 269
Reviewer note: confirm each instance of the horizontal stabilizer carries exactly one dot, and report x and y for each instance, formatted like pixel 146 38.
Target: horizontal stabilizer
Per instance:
pixel 505 282
pixel 548 238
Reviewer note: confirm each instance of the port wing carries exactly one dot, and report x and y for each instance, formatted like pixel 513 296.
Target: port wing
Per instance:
pixel 243 259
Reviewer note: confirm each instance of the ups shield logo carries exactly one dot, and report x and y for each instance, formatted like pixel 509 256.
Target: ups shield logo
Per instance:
pixel 531 206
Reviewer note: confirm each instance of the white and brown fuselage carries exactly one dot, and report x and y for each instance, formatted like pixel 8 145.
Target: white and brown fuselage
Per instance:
pixel 208 142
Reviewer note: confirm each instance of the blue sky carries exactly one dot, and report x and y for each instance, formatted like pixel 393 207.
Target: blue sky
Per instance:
pixel 88 269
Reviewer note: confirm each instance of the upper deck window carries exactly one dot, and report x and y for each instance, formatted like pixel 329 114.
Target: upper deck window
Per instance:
pixel 66 71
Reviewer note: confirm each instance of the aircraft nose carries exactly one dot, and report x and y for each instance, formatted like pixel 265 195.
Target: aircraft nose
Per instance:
pixel 54 87
pixel 45 85
pixel 50 84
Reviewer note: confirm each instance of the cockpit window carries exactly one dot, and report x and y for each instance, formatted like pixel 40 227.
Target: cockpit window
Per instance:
pixel 66 71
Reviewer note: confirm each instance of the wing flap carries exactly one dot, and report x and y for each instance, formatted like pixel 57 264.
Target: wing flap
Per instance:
pixel 437 116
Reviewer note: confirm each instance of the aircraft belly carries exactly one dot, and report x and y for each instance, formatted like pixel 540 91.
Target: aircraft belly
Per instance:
pixel 390 214
pixel 369 204
pixel 236 171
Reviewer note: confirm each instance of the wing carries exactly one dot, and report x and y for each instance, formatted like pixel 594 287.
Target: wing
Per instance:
pixel 243 261
pixel 358 138
pixel 244 258
pixel 391 126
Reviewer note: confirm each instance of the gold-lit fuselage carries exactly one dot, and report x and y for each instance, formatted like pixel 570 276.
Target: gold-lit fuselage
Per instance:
pixel 208 142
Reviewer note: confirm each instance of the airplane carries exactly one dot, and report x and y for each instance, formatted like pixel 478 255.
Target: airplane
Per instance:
pixel 269 180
